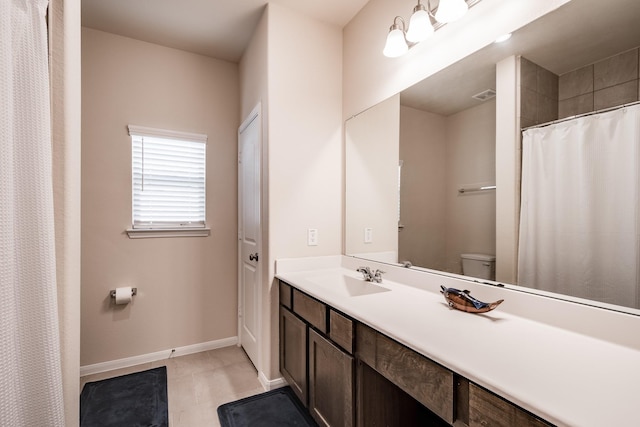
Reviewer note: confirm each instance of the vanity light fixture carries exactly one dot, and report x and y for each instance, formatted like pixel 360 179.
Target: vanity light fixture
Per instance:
pixel 451 10
pixel 400 39
pixel 396 42
pixel 420 26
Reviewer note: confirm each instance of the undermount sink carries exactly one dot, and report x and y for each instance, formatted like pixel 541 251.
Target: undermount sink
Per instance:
pixel 347 285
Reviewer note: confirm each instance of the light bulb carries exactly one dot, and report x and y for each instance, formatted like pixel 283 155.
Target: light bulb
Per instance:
pixel 419 25
pixel 396 44
pixel 503 38
pixel 451 10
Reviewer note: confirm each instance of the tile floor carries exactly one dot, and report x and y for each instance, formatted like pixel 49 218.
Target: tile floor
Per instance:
pixel 198 383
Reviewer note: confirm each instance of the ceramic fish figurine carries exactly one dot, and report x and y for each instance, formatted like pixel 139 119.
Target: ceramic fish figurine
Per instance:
pixel 465 302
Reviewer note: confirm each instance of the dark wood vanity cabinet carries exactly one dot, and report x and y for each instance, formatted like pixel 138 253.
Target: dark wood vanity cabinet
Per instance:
pixel 320 371
pixel 348 374
pixel 330 383
pixel 487 409
pixel 293 353
pixel 419 377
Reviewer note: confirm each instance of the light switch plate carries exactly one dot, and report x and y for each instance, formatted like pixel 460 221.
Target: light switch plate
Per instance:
pixel 312 237
pixel 368 235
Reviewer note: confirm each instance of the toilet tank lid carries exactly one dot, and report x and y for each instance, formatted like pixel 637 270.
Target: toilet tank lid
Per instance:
pixel 479 257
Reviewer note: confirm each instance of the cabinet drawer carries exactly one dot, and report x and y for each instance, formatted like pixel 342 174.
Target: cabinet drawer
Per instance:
pixel 423 379
pixel 311 310
pixel 341 330
pixel 487 409
pixel 285 295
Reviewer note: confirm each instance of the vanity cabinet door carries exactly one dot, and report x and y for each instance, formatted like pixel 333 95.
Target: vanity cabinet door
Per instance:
pixel 330 383
pixel 486 409
pixel 293 353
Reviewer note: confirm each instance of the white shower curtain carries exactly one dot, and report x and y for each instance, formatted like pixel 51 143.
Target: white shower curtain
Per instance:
pixel 579 216
pixel 30 371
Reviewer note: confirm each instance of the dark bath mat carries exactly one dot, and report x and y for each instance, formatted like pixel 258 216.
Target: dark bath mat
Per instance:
pixel 133 400
pixel 275 408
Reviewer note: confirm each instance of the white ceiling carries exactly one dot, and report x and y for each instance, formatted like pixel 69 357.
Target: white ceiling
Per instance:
pixel 217 28
pixel 579 33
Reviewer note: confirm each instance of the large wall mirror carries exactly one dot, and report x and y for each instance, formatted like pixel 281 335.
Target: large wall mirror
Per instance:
pixel 421 166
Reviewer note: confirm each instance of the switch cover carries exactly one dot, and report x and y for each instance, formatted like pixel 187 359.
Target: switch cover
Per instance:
pixel 312 237
pixel 368 235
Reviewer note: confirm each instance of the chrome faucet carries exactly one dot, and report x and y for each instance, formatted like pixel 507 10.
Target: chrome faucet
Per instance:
pixel 371 276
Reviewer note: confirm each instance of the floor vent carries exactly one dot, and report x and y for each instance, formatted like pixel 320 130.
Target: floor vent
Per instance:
pixel 485 95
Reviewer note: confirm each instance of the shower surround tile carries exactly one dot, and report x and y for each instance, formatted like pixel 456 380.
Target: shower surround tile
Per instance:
pixel 618 69
pixel 526 122
pixel 616 95
pixel 547 83
pixel 538 94
pixel 528 104
pixel 576 83
pixel 547 109
pixel 607 83
pixel 574 106
pixel 528 74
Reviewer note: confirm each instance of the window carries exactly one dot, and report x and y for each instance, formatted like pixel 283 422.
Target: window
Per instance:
pixel 168 183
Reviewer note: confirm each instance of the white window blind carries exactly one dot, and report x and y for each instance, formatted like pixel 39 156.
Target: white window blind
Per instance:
pixel 168 179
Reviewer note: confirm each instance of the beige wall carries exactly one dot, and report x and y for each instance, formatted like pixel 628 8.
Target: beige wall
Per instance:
pixel 471 150
pixel 298 79
pixel 305 134
pixel 253 71
pixel 508 155
pixel 442 154
pixel 423 144
pixel 372 146
pixel 187 287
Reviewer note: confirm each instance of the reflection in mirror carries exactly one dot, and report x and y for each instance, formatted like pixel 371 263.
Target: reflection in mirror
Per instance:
pixel 441 155
pixel 372 182
pixel 445 141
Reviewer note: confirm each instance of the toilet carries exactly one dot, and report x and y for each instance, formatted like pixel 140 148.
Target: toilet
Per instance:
pixel 481 266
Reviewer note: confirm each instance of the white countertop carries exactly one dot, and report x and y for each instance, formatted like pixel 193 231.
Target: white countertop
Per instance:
pixel 566 377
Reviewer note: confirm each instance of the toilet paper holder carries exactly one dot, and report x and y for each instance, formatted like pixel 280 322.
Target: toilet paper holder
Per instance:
pixel 134 291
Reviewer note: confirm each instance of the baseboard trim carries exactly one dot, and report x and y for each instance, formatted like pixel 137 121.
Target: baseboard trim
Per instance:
pixel 271 384
pixel 158 355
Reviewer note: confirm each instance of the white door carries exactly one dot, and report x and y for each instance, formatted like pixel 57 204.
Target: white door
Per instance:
pixel 249 235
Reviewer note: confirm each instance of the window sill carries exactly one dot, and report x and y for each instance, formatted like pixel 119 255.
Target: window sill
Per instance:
pixel 149 233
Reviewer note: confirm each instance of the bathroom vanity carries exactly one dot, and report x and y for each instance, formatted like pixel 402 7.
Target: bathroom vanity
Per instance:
pixel 360 354
pixel 339 367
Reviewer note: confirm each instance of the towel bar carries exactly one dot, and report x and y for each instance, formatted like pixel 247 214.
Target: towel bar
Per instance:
pixel 471 190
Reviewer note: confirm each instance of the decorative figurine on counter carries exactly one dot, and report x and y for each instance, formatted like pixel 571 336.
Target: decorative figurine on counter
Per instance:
pixel 461 300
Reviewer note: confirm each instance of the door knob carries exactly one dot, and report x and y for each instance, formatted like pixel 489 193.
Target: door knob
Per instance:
pixel 253 257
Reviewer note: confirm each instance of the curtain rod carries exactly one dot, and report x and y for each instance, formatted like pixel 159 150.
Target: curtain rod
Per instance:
pixel 578 116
